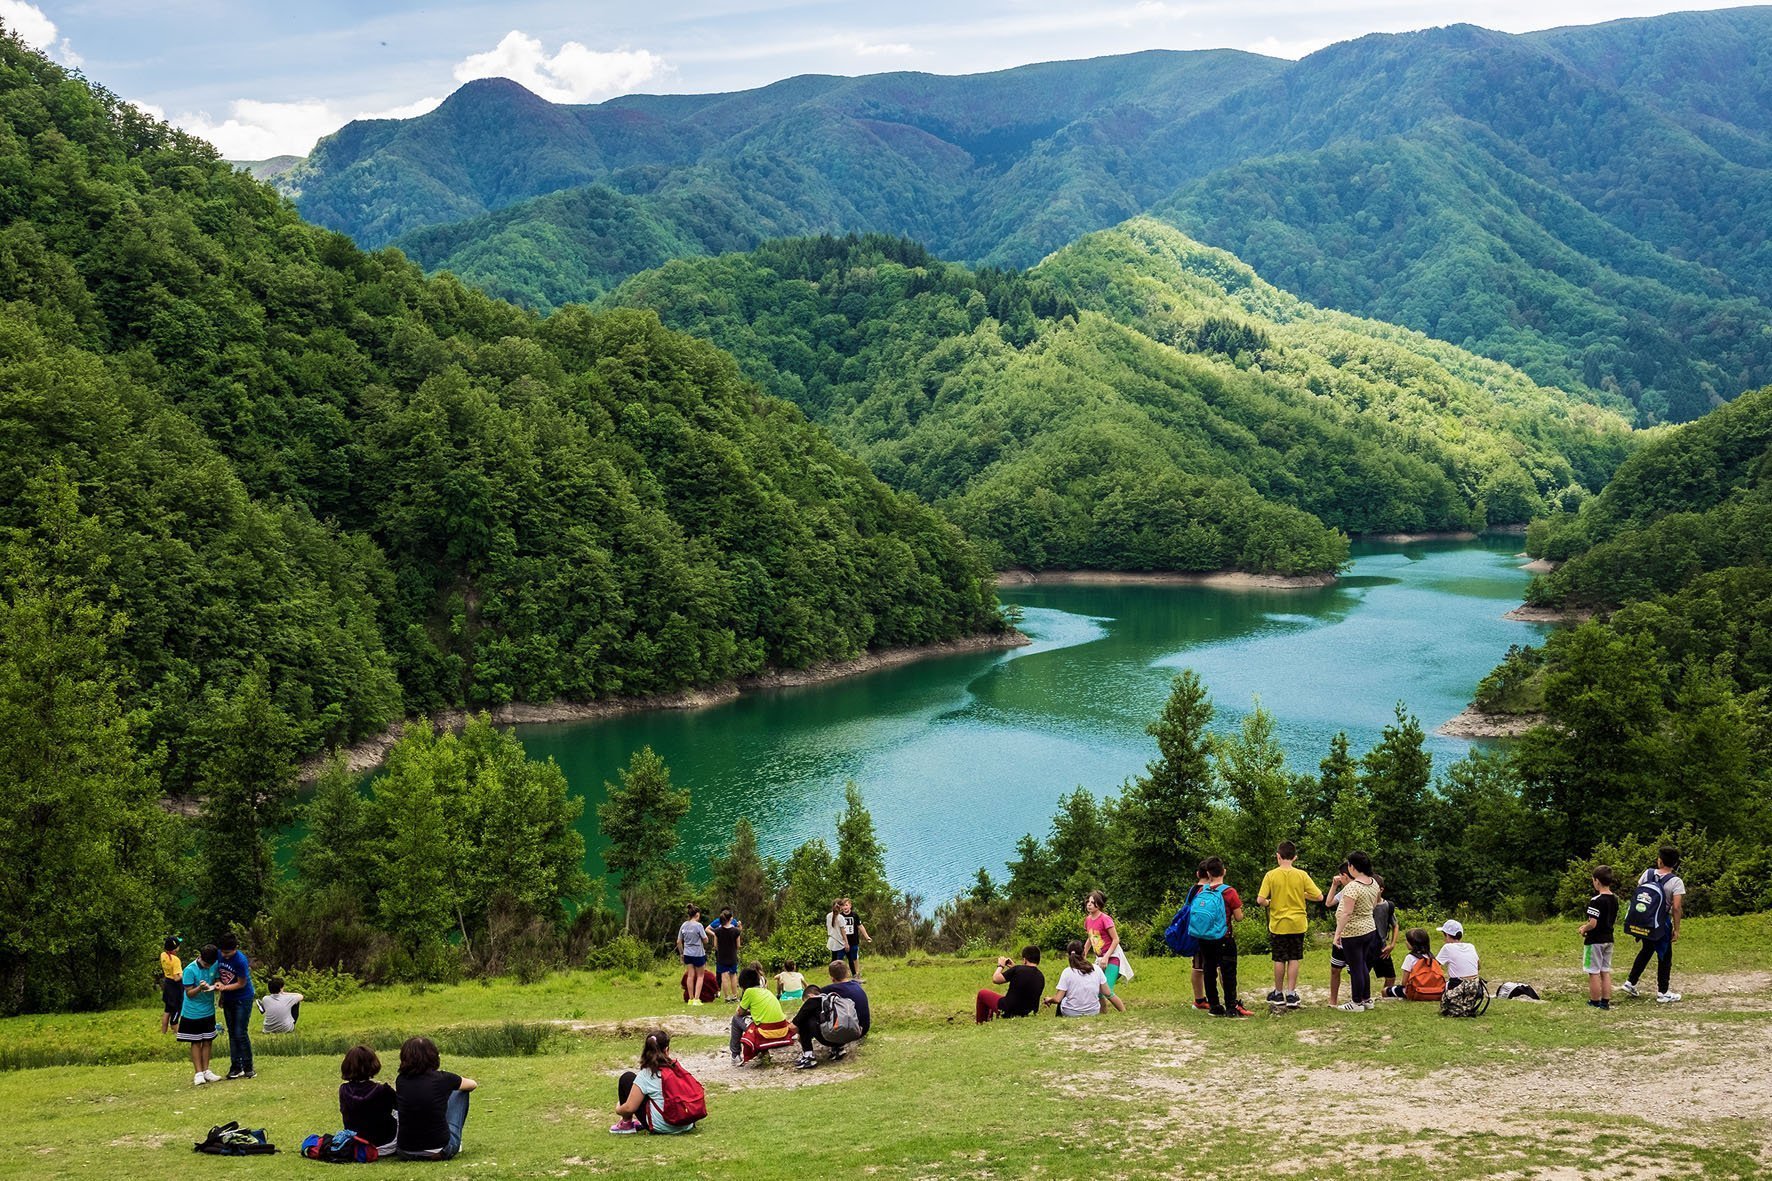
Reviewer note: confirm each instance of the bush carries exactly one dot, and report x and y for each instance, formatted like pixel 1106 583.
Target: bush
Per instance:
pixel 320 985
pixel 624 953
pixel 1702 865
pixel 1050 931
pixel 799 942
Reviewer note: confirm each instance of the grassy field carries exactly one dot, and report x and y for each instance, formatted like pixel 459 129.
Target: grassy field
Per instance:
pixel 1555 1091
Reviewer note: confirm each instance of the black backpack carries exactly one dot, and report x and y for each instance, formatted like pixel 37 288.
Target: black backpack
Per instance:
pixel 1646 918
pixel 230 1139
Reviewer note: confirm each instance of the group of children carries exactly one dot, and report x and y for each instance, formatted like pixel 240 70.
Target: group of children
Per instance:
pixel 844 935
pixel 220 976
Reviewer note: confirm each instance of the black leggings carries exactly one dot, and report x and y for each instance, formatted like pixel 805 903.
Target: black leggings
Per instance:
pixel 624 1086
pixel 1359 951
pixel 1663 951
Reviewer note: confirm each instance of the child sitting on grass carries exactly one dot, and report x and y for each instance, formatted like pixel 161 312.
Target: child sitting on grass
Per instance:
pixel 367 1107
pixel 281 1009
pixel 1421 950
pixel 790 983
pixel 640 1093
pixel 759 1020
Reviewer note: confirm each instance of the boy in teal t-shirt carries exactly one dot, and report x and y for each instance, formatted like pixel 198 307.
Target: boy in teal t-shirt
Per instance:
pixel 196 1014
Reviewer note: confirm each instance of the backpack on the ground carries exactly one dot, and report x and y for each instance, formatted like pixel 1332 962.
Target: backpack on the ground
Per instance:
pixel 230 1139
pixel 1208 918
pixel 1515 991
pixel 684 1100
pixel 340 1148
pixel 1179 937
pixel 1426 980
pixel 1646 917
pixel 710 987
pixel 1468 998
pixel 838 1022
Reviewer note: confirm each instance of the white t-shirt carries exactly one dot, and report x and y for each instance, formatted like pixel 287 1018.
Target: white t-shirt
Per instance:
pixel 1672 886
pixel 836 937
pixel 278 1009
pixel 1459 959
pixel 1409 961
pixel 1082 992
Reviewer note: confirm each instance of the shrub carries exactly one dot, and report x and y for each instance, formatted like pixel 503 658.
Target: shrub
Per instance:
pixel 1702 865
pixel 320 985
pixel 1050 931
pixel 799 942
pixel 624 953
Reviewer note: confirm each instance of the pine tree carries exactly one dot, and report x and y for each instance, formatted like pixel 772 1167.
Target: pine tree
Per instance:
pixel 1341 816
pixel 743 880
pixel 639 821
pixel 331 853
pixel 1159 823
pixel 1395 776
pixel 1265 797
pixel 859 870
pixel 419 854
pixel 247 786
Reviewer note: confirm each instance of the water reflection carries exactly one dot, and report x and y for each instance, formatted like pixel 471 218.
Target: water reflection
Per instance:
pixel 960 755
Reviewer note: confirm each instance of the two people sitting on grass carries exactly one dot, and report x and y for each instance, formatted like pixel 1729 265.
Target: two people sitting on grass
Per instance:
pixel 660 1085
pixel 1026 985
pixel 1082 986
pixel 835 1016
pixel 431 1103
pixel 368 1108
pixel 759 1025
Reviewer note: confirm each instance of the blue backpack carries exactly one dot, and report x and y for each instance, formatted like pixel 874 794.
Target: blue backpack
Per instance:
pixel 1209 919
pixel 1647 917
pixel 1178 937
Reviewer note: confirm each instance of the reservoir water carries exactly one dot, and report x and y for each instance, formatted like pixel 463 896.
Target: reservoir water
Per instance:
pixel 957 756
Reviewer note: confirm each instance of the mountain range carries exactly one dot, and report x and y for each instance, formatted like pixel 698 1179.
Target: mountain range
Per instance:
pixel 1588 204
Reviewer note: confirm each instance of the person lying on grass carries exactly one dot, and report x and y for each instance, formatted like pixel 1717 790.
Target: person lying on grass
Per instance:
pixel 1082 987
pixel 640 1094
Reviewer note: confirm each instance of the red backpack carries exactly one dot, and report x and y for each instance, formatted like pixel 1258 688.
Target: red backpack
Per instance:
pixel 684 1100
pixel 1426 980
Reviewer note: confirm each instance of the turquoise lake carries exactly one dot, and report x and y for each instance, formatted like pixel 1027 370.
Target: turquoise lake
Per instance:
pixel 958 756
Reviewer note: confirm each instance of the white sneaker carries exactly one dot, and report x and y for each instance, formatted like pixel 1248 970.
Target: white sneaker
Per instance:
pixel 1352 1007
pixel 1628 989
pixel 1371 1004
pixel 1666 998
pixel 198 1080
pixel 211 1076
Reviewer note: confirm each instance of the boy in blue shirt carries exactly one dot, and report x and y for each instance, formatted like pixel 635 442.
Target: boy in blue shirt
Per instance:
pixel 234 983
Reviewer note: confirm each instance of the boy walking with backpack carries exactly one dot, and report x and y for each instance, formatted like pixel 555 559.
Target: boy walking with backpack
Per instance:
pixel 1656 908
pixel 1283 893
pixel 1215 908
pixel 1596 939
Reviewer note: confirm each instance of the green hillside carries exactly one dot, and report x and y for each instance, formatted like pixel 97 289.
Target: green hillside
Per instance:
pixel 239 452
pixel 1137 401
pixel 1584 204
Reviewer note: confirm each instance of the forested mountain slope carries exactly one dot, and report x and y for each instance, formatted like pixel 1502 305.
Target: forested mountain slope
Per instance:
pixel 236 448
pixel 1134 400
pixel 1586 204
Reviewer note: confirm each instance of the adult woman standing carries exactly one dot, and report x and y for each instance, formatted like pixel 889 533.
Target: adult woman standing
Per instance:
pixel 836 940
pixel 1356 932
pixel 1104 939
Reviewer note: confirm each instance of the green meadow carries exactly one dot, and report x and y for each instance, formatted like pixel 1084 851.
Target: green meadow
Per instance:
pixel 1553 1090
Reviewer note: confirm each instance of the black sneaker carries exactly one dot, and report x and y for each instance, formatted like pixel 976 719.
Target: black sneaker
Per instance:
pixel 806 1062
pixel 233 1074
pixel 1276 997
pixel 1293 1000
pixel 838 1053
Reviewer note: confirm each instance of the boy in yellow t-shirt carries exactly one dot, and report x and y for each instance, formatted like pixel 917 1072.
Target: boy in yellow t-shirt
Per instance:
pixel 172 984
pixel 1284 891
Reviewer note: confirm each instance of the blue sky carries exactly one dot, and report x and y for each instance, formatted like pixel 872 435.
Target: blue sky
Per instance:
pixel 264 77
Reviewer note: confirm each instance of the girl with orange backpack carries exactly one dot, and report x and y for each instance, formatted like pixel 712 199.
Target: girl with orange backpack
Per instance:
pixel 1423 978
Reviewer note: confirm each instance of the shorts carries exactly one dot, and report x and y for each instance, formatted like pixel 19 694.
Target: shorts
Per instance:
pixel 696 961
pixel 196 1029
pixel 726 969
pixel 1337 957
pixel 172 996
pixel 1384 967
pixel 1287 947
pixel 1596 958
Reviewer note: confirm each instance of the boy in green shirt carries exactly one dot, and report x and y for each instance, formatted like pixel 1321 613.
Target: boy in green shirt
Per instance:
pixel 759 1019
pixel 1283 893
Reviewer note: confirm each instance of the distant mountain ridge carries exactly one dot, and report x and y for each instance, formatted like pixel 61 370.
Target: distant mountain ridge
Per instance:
pixel 1587 203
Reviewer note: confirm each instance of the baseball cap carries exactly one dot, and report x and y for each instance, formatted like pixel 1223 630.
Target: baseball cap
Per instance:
pixel 1452 927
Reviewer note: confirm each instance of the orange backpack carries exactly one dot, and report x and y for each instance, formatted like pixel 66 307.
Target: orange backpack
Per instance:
pixel 1426 980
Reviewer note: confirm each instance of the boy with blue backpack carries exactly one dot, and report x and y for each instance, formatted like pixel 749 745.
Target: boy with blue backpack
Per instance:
pixel 1653 918
pixel 1210 916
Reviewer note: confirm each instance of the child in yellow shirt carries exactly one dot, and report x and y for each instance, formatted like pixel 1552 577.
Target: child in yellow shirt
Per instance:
pixel 172 984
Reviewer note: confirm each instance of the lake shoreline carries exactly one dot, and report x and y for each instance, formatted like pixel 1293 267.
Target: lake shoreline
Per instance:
pixel 1472 722
pixel 1222 579
pixel 1526 613
pixel 366 754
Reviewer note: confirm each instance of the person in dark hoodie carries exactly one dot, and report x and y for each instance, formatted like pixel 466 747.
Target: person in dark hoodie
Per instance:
pixel 366 1106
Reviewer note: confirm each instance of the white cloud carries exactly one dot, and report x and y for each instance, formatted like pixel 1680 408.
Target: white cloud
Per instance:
pixel 35 29
pixel 257 130
pixel 575 74
pixel 883 49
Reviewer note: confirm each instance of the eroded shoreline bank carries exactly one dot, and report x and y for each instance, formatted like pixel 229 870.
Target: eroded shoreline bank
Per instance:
pixel 1472 722
pixel 367 753
pixel 1224 579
